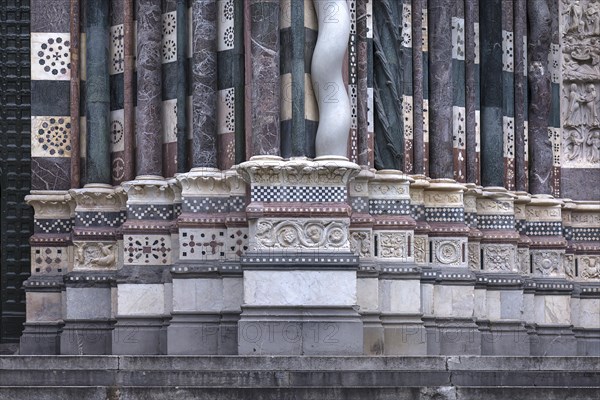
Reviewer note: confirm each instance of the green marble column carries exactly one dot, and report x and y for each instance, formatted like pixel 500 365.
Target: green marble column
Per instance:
pixel 97 99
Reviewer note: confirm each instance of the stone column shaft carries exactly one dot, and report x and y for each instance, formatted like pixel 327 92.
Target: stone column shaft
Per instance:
pixel 264 84
pixel 204 81
pixel 149 87
pixel 97 100
pixel 441 164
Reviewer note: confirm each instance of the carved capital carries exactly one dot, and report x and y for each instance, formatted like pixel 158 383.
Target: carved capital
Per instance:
pixel 272 170
pixel 544 208
pixel 203 182
pixel 390 184
pixel 359 186
pixel 50 204
pixel 149 190
pixel 97 197
pixel 444 193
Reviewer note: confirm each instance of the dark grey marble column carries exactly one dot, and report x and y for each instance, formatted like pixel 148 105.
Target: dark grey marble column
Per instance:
pixel 492 160
pixel 97 100
pixel 264 85
pixel 520 26
pixel 204 78
pixel 388 82
pixel 149 85
pixel 417 54
pixel 540 96
pixel 471 91
pixel 440 89
pixel 182 83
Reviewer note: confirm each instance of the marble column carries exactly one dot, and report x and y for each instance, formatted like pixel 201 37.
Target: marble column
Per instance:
pixel 264 89
pixel 75 30
pixel 441 163
pixel 520 75
pixel 149 88
pixel 204 81
pixel 182 84
pixel 458 93
pixel 417 79
pixel 540 97
pixel 129 95
pixel 492 160
pixel 471 89
pixel 388 84
pixel 97 99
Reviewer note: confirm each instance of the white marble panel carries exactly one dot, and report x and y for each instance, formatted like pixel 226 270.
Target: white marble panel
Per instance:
pixel 140 299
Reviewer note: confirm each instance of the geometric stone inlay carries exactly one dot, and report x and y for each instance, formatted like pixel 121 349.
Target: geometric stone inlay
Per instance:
pixel 389 207
pixel 443 214
pixel 147 250
pixel 53 225
pixel 298 194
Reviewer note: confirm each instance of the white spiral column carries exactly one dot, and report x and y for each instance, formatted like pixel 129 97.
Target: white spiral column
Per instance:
pixel 328 83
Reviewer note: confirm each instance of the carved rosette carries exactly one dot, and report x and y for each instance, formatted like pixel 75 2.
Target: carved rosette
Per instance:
pixel 449 252
pixel 499 258
pixel 300 234
pixel 548 263
pixel 273 170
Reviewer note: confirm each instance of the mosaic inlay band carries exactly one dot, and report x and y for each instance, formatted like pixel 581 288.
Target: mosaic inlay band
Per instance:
pixel 298 193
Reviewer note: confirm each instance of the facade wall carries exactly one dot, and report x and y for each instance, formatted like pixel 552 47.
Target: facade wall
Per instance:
pixel 451 222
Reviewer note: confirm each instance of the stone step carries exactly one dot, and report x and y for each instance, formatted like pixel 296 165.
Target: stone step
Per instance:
pixel 315 393
pixel 282 377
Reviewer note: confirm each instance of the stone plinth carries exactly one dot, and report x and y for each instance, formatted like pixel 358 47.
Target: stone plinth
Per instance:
pixel 299 268
pixel 51 259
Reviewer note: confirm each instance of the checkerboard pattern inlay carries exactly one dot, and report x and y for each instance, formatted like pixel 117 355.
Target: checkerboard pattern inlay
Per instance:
pixel 442 214
pixel 544 228
pixel 389 207
pixel 496 222
pixel 299 194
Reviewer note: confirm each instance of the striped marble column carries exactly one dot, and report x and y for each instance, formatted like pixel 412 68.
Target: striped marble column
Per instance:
pixel 365 124
pixel 472 93
pixel 388 84
pixel 50 99
pixel 230 82
pixel 492 160
pixel 262 73
pixel 459 139
pixel 299 111
pixel 439 16
pixel 149 89
pixel 554 69
pixel 353 82
pixel 117 91
pixel 520 87
pixel 508 94
pixel 204 81
pixel 407 87
pixel 183 33
pixel 170 90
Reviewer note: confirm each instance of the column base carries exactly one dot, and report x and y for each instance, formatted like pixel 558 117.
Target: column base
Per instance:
pixel 504 338
pixel 373 339
pixel 300 331
pixel 404 335
pixel 454 336
pixel 554 341
pixel 86 337
pixel 138 336
pixel 228 333
pixel 40 339
pixel 588 342
pixel 194 334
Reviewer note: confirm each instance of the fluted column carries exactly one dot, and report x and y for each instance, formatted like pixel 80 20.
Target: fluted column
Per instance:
pixel 148 112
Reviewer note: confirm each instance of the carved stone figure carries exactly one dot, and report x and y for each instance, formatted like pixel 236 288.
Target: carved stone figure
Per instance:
pixel 573 16
pixel 360 243
pixel 573 144
pixel 592 13
pixel 593 141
